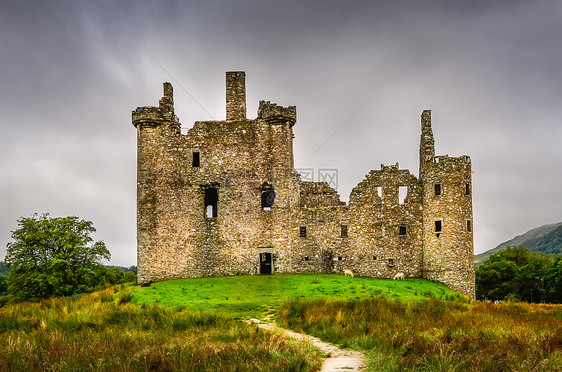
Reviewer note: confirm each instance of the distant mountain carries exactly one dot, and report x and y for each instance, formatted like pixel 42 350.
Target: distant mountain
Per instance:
pixel 545 239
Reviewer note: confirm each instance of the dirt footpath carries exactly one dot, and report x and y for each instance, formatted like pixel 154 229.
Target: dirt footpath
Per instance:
pixel 338 359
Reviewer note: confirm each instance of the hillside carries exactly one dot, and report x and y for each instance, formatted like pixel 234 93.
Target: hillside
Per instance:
pixel 546 239
pixel 261 295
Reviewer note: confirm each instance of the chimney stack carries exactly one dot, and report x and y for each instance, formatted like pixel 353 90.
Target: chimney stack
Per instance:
pixel 236 95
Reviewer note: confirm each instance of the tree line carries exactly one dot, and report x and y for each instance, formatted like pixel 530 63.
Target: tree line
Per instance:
pixel 56 256
pixel 517 274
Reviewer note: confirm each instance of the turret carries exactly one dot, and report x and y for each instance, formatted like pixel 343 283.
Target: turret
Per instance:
pixel 448 250
pixel 157 129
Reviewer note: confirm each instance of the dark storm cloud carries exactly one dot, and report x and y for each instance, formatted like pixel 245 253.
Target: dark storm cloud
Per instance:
pixel 72 71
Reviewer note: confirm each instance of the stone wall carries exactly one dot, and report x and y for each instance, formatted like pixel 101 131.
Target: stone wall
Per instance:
pixel 201 209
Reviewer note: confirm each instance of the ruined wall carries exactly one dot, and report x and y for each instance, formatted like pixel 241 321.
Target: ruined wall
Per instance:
pixel 386 231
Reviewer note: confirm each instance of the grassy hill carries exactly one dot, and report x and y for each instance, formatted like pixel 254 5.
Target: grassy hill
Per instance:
pixel 193 329
pixel 257 296
pixel 545 239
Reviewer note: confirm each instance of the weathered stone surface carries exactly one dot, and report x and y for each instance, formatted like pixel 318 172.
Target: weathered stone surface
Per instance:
pixel 200 210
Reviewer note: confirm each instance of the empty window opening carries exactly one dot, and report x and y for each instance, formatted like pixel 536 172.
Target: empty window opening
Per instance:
pixel 211 202
pixel 402 230
pixel 390 262
pixel 468 225
pixel 437 189
pixel 306 258
pixel 340 258
pixel 379 191
pixel 343 231
pixel 196 159
pixel 467 189
pixel 438 226
pixel 402 193
pixel 303 232
pixel 267 196
pixel 374 258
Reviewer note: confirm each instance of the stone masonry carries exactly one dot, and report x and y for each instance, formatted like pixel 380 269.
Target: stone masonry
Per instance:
pixel 225 199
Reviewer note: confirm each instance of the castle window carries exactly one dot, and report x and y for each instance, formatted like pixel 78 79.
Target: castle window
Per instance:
pixel 438 226
pixel 267 196
pixel 468 225
pixel 374 258
pixel 402 193
pixel 390 262
pixel 467 189
pixel 196 160
pixel 306 258
pixel 303 232
pixel 402 230
pixel 340 258
pixel 343 231
pixel 437 189
pixel 211 202
pixel 379 191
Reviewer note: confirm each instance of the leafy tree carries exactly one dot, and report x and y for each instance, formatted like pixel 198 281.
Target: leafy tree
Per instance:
pixel 130 277
pixel 531 280
pixel 517 273
pixel 553 286
pixel 53 257
pixel 4 270
pixel 495 279
pixel 3 285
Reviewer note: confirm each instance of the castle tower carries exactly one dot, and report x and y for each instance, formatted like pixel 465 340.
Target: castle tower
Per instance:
pixel 156 129
pixel 448 249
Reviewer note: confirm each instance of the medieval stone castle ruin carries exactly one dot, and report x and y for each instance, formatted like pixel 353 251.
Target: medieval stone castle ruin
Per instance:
pixel 225 199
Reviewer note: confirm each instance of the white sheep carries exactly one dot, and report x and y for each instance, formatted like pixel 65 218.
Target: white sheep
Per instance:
pixel 399 276
pixel 348 273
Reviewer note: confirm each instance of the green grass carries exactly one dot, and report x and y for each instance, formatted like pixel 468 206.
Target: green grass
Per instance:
pixel 259 296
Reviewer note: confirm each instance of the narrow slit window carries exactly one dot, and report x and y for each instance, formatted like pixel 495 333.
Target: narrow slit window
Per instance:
pixel 374 258
pixel 306 258
pixel 303 232
pixel 467 189
pixel 379 191
pixel 196 162
pixel 343 231
pixel 211 202
pixel 402 193
pixel 438 226
pixel 468 225
pixel 402 230
pixel 437 189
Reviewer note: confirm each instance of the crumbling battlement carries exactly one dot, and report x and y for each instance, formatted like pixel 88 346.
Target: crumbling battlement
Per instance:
pixel 318 194
pixel 277 114
pixel 225 199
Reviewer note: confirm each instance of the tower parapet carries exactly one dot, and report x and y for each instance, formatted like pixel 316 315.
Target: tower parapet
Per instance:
pixel 150 116
pixel 275 114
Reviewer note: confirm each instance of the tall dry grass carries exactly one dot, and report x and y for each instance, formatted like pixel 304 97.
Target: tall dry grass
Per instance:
pixel 100 332
pixel 435 335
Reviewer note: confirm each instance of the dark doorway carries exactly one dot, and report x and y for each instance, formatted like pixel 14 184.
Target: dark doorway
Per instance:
pixel 265 263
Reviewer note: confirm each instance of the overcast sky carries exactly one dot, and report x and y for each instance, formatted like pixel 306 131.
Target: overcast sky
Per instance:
pixel 491 72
